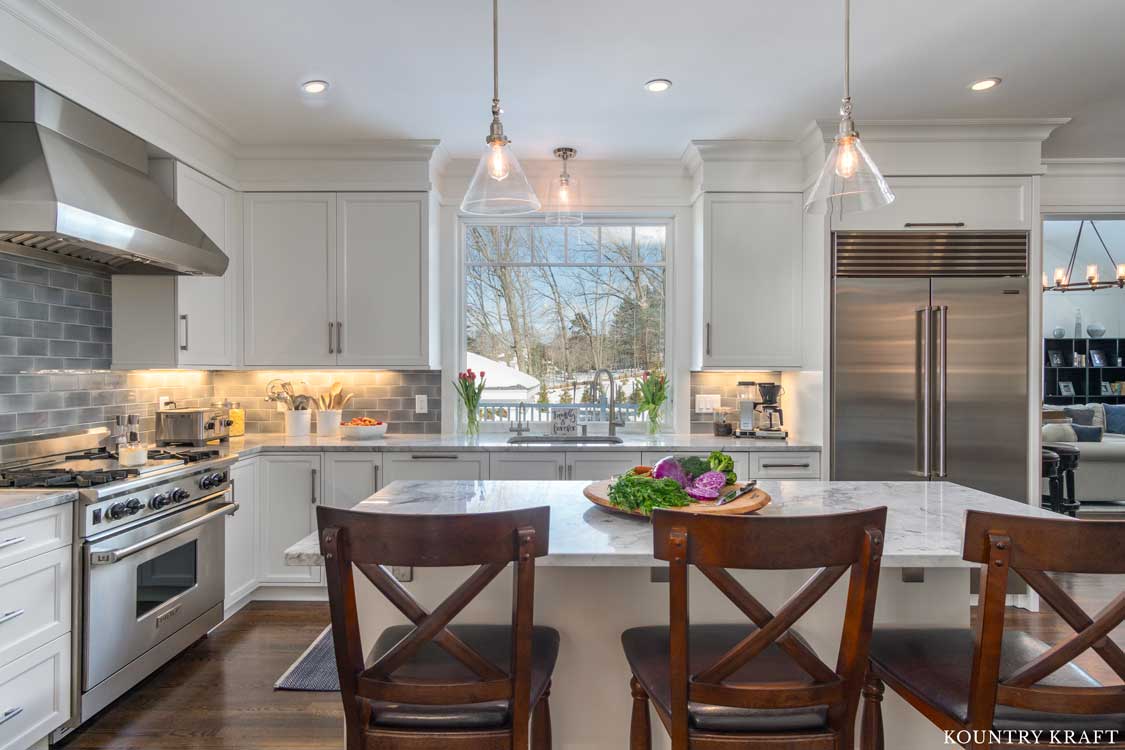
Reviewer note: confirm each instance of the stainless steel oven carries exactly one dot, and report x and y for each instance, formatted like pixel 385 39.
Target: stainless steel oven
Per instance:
pixel 150 590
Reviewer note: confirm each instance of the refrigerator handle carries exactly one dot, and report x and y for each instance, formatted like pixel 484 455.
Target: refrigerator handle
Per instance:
pixel 941 319
pixel 923 374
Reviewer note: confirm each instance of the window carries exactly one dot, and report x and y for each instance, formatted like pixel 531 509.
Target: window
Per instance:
pixel 546 307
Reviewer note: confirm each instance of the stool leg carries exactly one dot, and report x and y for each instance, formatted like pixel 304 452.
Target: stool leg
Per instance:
pixel 640 732
pixel 1072 493
pixel 871 731
pixel 1056 494
pixel 541 722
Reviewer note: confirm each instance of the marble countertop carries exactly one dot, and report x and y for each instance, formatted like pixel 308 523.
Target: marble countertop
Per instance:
pixel 925 520
pixel 256 443
pixel 18 502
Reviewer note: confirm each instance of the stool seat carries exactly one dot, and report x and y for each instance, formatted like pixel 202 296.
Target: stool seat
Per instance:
pixel 1051 463
pixel 1069 458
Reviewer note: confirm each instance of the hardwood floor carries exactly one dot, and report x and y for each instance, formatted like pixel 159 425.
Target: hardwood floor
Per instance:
pixel 219 694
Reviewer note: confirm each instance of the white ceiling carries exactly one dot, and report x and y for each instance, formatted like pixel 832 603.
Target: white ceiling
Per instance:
pixel 572 72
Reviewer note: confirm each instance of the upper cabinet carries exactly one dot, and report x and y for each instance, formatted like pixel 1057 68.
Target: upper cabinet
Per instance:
pixel 752 281
pixel 949 203
pixel 184 321
pixel 341 280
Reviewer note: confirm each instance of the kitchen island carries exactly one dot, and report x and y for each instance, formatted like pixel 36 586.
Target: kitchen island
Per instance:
pixel 600 579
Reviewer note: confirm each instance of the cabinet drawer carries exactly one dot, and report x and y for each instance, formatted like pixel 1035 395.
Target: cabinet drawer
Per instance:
pixel 34 533
pixel 34 602
pixel 35 695
pixel 785 465
pixel 950 203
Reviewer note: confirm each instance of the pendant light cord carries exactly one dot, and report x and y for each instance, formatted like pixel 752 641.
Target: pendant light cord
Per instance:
pixel 495 57
pixel 847 48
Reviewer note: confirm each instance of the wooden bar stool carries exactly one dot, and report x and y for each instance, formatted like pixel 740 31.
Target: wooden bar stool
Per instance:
pixel 760 685
pixel 433 685
pixel 989 678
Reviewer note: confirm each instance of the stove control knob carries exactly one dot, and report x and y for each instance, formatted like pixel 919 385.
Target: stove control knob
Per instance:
pixel 133 507
pixel 217 479
pixel 228 423
pixel 158 501
pixel 179 495
pixel 117 511
pixel 209 425
pixel 207 482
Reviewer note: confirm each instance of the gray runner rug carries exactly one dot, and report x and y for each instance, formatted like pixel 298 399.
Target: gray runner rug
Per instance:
pixel 314 670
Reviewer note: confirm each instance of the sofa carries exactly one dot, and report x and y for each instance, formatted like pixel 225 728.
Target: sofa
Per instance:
pixel 1101 469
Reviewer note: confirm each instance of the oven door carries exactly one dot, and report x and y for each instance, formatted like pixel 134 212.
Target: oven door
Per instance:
pixel 145 583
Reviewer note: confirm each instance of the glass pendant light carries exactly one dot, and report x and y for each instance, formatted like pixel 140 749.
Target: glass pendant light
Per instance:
pixel 499 186
pixel 564 198
pixel 850 181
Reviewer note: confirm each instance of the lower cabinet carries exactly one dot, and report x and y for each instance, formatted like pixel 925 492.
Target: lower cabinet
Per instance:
pixel 536 466
pixel 785 465
pixel 35 695
pixel 350 477
pixel 594 465
pixel 288 491
pixel 421 466
pixel 242 527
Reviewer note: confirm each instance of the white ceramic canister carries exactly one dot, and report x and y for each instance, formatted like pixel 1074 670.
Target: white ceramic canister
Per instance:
pixel 328 422
pixel 297 423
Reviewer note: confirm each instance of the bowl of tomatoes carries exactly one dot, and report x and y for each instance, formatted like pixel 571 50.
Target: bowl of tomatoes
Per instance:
pixel 362 428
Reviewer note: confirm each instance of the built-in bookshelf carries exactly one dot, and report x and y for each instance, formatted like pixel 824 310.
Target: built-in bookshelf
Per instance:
pixel 1086 378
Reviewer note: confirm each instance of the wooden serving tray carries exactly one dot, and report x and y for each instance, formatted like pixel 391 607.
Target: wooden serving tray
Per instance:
pixel 598 493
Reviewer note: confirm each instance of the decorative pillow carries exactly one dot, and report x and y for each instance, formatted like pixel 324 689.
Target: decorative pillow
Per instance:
pixel 1083 415
pixel 1115 418
pixel 1087 434
pixel 1059 432
pixel 1099 413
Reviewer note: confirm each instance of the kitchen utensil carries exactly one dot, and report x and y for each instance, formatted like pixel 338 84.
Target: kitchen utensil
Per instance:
pixel 735 494
pixel 334 393
pixel 756 499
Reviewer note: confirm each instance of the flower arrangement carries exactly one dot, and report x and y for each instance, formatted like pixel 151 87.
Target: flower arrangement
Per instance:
pixel 470 385
pixel 654 392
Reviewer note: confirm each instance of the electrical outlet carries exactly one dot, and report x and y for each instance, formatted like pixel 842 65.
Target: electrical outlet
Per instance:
pixel 162 400
pixel 705 402
pixel 421 405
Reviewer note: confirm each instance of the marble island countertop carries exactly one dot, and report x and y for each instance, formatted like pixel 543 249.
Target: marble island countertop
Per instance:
pixel 255 443
pixel 18 502
pixel 925 520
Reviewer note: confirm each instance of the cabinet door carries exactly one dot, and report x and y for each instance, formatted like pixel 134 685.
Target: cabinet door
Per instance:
pixel 741 464
pixel 980 203
pixel 537 466
pixel 288 491
pixel 289 256
pixel 382 279
pixel 594 465
pixel 428 466
pixel 241 533
pixel 753 280
pixel 206 330
pixel 350 477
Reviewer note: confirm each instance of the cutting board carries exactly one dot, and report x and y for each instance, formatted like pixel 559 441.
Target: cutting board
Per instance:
pixel 598 493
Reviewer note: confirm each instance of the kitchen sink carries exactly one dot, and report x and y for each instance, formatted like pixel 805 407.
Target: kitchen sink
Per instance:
pixel 576 440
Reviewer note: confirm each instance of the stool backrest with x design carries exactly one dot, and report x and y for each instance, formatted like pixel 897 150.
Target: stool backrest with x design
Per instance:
pixel 367 542
pixel 1030 547
pixel 832 544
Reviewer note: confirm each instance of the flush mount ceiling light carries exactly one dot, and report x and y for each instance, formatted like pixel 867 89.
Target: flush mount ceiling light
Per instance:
pixel 563 199
pixel 314 87
pixel 656 85
pixel 1093 283
pixel 499 186
pixel 985 84
pixel 850 181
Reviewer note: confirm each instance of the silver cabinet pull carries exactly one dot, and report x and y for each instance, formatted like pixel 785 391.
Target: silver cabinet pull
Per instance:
pixel 560 471
pixel 922 224
pixel 707 337
pixel 109 557
pixel 570 471
pixel 330 349
pixel 941 316
pixel 923 375
pixel 376 468
pixel 339 339
pixel 12 541
pixel 184 346
pixel 9 616
pixel 314 472
pixel 786 466
pixel 432 457
pixel 10 714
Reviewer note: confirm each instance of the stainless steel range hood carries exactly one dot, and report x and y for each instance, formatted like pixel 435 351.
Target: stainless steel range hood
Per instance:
pixel 75 187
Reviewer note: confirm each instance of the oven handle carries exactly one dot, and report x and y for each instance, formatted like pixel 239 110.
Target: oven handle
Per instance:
pixel 115 555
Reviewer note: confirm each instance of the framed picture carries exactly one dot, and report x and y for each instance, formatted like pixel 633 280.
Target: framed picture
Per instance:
pixel 1097 358
pixel 1056 358
pixel 564 422
pixel 1066 388
pixel 1107 389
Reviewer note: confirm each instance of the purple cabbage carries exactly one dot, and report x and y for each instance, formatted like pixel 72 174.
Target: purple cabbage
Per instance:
pixel 669 468
pixel 707 486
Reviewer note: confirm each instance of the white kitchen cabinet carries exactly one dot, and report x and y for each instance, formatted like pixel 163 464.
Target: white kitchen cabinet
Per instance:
pixel 184 321
pixel 35 602
pixel 752 286
pixel 382 280
pixel 471 465
pixel 344 280
pixel 943 203
pixel 350 477
pixel 784 465
pixel 289 262
pixel 30 534
pixel 241 533
pixel 741 464
pixel 288 493
pixel 594 465
pixel 35 695
pixel 529 466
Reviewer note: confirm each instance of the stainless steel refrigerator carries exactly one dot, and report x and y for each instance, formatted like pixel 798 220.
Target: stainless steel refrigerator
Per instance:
pixel 930 358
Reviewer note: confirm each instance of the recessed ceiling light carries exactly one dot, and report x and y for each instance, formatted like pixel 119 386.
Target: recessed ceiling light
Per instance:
pixel 985 84
pixel 314 87
pixel 656 85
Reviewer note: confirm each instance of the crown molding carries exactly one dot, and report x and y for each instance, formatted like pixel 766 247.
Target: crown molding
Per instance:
pixel 1085 167
pixel 1034 130
pixel 375 150
pixel 743 165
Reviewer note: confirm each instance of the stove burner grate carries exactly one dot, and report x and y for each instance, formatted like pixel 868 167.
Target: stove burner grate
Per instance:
pixel 187 456
pixel 63 477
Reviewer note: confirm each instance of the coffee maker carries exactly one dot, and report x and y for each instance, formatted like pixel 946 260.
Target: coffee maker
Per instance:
pixel 770 409
pixel 747 405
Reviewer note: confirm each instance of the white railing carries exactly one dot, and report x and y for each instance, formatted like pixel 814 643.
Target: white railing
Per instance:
pixel 505 411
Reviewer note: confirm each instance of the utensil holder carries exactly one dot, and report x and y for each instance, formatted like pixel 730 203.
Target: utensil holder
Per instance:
pixel 297 423
pixel 328 422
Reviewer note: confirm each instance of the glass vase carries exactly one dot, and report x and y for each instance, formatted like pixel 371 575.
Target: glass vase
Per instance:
pixel 654 422
pixel 472 422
